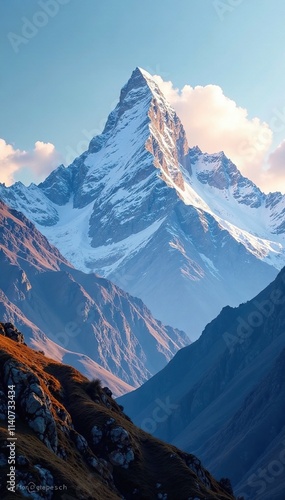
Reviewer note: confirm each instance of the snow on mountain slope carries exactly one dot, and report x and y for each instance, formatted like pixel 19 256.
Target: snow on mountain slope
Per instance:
pixel 30 201
pixel 181 229
pixel 241 208
pixel 92 320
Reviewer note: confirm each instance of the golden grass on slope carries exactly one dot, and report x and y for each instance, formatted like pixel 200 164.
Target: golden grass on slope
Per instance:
pixel 152 464
pixel 75 478
pixel 80 480
pixel 155 462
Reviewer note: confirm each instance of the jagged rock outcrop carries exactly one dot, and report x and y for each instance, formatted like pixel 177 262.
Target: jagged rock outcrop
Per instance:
pixel 32 401
pixel 10 331
pixel 75 442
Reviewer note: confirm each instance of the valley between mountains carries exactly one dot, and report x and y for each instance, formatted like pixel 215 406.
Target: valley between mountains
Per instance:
pixel 157 269
pixel 78 318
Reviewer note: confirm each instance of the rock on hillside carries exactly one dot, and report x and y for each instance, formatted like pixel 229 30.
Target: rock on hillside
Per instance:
pixel 10 331
pixel 75 441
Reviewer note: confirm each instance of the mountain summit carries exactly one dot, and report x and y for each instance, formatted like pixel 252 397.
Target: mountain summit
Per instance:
pixel 179 228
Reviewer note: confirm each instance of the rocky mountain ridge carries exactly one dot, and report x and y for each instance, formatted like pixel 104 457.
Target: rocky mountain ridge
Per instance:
pixel 227 395
pixel 75 442
pixel 75 317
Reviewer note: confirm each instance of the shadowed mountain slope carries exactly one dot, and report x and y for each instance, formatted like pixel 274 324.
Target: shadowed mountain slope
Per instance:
pixel 71 434
pixel 77 317
pixel 226 395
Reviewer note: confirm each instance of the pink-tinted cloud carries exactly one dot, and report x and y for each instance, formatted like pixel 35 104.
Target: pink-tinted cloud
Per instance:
pixel 39 162
pixel 274 176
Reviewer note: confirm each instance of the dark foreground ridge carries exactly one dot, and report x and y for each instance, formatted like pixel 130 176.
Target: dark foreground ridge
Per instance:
pixel 75 442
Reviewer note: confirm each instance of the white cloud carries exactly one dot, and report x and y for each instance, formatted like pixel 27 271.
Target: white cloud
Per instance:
pixel 38 163
pixel 274 176
pixel 216 123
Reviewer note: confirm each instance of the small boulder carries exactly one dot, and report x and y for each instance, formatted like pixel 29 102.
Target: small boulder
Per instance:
pixel 97 434
pixel 107 391
pixel 120 435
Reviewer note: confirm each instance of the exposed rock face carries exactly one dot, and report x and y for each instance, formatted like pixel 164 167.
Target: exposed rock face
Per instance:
pixel 34 404
pixel 20 197
pixel 88 317
pixel 10 331
pixel 58 187
pixel 72 434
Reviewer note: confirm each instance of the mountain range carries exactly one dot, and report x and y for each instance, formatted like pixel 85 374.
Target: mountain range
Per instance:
pixel 226 396
pixel 74 317
pixel 75 443
pixel 181 229
pixel 141 218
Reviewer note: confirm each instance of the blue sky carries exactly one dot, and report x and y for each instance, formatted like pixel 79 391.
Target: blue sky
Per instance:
pixel 58 85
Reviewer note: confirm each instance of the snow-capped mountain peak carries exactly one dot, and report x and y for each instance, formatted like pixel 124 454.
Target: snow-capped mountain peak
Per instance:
pixel 141 81
pixel 167 223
